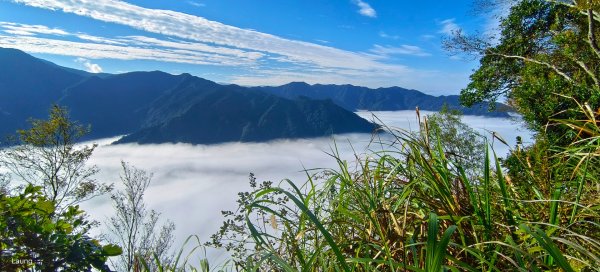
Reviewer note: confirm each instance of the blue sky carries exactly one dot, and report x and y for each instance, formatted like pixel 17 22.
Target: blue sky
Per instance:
pixel 375 43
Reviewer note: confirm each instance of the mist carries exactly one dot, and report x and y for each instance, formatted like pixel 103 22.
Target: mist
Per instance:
pixel 193 183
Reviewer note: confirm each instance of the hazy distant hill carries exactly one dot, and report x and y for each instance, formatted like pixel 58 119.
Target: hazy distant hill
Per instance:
pixel 156 107
pixel 232 113
pixel 355 98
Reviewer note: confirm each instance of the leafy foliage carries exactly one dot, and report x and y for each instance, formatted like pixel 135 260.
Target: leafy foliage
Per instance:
pixel 546 49
pixel 41 228
pixel 412 207
pixel 34 234
pixel 47 156
pixel 457 139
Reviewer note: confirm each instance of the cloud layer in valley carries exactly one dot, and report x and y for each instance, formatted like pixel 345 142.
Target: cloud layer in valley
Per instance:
pixel 192 184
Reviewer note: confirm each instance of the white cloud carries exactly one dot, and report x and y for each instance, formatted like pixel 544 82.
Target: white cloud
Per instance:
pixel 91 67
pixel 491 28
pixel 193 183
pixel 29 30
pixel 400 50
pixel 365 9
pixel 387 36
pixel 387 75
pixel 200 47
pixel 126 48
pixel 449 26
pixel 96 39
pixel 185 26
pixel 108 51
pixel 196 4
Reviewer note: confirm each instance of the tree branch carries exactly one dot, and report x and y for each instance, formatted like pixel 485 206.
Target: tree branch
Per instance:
pixel 591 34
pixel 589 72
pixel 553 67
pixel 571 5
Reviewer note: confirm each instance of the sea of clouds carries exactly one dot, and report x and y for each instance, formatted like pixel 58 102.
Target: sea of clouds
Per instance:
pixel 193 183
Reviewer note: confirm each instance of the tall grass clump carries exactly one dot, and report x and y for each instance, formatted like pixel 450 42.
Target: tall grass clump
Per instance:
pixel 191 256
pixel 413 206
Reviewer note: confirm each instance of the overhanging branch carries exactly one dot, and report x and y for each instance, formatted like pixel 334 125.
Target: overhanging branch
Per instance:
pixel 552 67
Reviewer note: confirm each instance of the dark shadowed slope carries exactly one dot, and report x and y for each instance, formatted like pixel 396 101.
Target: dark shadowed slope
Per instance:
pixel 117 104
pixel 27 87
pixel 202 112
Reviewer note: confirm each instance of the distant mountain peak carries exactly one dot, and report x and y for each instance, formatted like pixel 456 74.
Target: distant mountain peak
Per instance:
pixel 297 84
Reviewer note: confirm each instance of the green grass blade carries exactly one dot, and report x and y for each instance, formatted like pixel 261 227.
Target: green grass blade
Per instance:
pixel 436 250
pixel 549 246
pixel 301 205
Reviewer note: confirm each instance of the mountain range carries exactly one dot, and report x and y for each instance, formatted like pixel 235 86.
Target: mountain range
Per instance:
pixel 355 98
pixel 157 107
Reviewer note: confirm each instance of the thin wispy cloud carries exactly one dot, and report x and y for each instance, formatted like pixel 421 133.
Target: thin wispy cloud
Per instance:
pixel 106 48
pixel 108 51
pixel 449 27
pixel 365 9
pixel 97 39
pixel 388 36
pixel 124 48
pixel 196 4
pixel 399 50
pixel 193 46
pixel 194 28
pixel 29 30
pixel 491 29
pixel 91 67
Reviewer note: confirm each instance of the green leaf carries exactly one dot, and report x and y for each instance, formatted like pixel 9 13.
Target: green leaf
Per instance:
pixel 549 246
pixel 112 250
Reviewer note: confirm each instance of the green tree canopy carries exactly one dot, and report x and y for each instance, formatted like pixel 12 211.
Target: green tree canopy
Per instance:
pixel 46 155
pixel 545 58
pixel 461 143
pixel 34 234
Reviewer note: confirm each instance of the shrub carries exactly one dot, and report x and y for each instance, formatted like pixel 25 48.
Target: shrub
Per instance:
pixel 412 207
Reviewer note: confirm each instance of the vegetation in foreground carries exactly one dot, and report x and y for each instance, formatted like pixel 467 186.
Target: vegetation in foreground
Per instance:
pixel 413 207
pixel 42 179
pixel 418 204
pixel 426 201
